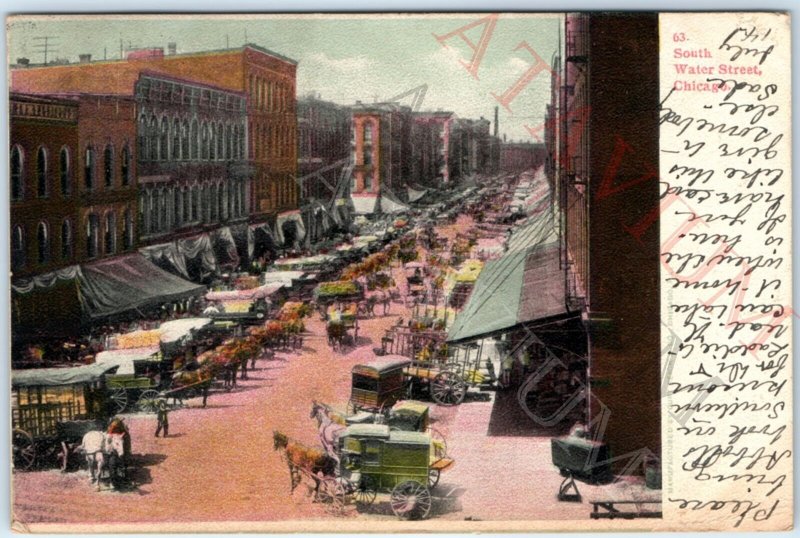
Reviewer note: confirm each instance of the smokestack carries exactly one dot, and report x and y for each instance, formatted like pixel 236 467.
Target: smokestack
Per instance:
pixel 85 58
pixel 172 48
pixel 496 120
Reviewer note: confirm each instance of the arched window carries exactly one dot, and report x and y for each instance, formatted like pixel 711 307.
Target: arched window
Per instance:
pixel 17 183
pixel 162 210
pixel 66 240
pixel 125 166
pixel 143 149
pixel 185 140
pixel 41 172
pixel 240 142
pixel 194 138
pixel 212 141
pixel 92 235
pixel 43 242
pixel 228 143
pixel 204 141
pixel 153 138
pixel 88 168
pixel 176 140
pixel 108 166
pixel 17 248
pixel 127 230
pixel 150 212
pixel 196 203
pixel 63 168
pixel 212 203
pixel 163 152
pixel 220 142
pixel 186 216
pixel 110 240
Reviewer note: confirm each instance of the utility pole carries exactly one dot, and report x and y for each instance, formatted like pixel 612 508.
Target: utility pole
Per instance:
pixel 45 45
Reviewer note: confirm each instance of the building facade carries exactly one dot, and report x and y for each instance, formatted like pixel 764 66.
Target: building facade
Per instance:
pixel 192 164
pixel 601 225
pixel 43 178
pixel 520 156
pixel 267 79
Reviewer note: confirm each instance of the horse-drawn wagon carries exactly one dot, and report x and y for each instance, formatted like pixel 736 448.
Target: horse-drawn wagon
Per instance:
pixel 52 409
pixel 378 385
pixel 375 459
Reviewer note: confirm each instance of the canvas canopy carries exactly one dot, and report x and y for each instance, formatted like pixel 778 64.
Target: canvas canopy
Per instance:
pixel 52 377
pixel 129 282
pixel 123 358
pixel 364 204
pixel 284 218
pixel 521 287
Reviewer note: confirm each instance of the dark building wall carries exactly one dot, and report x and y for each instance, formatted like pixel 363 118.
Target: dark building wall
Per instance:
pixel 52 125
pixel 324 138
pixel 624 265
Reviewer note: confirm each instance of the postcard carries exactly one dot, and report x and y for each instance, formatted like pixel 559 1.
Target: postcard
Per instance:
pixel 451 272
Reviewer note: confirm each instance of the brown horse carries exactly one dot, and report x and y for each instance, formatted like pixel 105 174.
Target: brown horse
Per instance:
pixel 301 458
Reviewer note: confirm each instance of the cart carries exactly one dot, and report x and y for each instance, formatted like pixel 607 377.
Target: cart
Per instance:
pixel 376 460
pixel 343 292
pixel 51 408
pixel 414 273
pixel 447 379
pixel 377 385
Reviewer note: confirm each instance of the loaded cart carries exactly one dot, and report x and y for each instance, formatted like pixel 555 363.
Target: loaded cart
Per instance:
pixel 375 459
pixel 51 410
pixel 378 385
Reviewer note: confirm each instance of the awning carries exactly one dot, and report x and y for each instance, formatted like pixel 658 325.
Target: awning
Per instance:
pixel 191 258
pixel 174 330
pixel 522 287
pixel 51 377
pixel 261 292
pixel 364 204
pixel 389 204
pixel 129 282
pixel 224 246
pixel 262 240
pixel 123 358
pixel 286 217
pixel 415 195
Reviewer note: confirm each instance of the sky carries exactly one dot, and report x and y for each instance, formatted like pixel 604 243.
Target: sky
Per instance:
pixel 344 58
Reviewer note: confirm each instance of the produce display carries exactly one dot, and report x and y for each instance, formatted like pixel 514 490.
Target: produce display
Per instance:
pixel 337 288
pixel 138 339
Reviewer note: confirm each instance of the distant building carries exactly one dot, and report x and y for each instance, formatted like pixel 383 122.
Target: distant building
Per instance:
pixel 431 136
pixel 193 171
pixel 382 157
pixel 323 152
pixel 268 80
pixel 521 156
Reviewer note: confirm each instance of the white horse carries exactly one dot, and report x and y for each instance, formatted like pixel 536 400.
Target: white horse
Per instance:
pixel 100 448
pixel 329 430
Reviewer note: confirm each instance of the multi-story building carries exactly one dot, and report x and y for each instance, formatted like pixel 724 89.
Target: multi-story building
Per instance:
pixel 618 301
pixel 520 156
pixel 267 79
pixel 382 156
pixel 324 141
pixel 44 193
pixel 191 148
pixel 431 135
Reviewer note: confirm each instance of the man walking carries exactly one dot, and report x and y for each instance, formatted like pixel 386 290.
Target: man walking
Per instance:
pixel 162 411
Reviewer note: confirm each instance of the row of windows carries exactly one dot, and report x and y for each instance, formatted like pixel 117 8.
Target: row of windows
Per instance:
pixel 44 254
pixel 43 173
pixel 280 135
pixel 269 95
pixel 161 210
pixel 174 140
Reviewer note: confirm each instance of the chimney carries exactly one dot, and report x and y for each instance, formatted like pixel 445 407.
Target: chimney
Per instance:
pixel 85 58
pixel 23 61
pixel 496 120
pixel 172 48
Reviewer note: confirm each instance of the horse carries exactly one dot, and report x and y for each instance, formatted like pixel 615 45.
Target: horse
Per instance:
pixel 337 331
pixel 330 425
pixel 302 458
pixel 101 449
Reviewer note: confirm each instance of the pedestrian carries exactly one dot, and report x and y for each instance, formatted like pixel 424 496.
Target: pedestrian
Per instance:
pixel 162 410
pixel 205 391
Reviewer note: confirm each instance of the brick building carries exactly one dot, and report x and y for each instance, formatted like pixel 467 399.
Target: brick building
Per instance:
pixel 521 156
pixel 193 172
pixel 44 193
pixel 615 265
pixel 323 156
pixel 268 80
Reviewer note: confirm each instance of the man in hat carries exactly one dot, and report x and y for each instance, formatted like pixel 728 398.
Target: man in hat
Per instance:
pixel 162 410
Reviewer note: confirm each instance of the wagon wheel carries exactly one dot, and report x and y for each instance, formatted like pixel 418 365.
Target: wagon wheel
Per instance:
pixel 119 397
pixel 411 500
pixel 148 401
pixel 448 388
pixel 366 491
pixel 331 494
pixel 24 449
pixel 438 443
pixel 433 477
